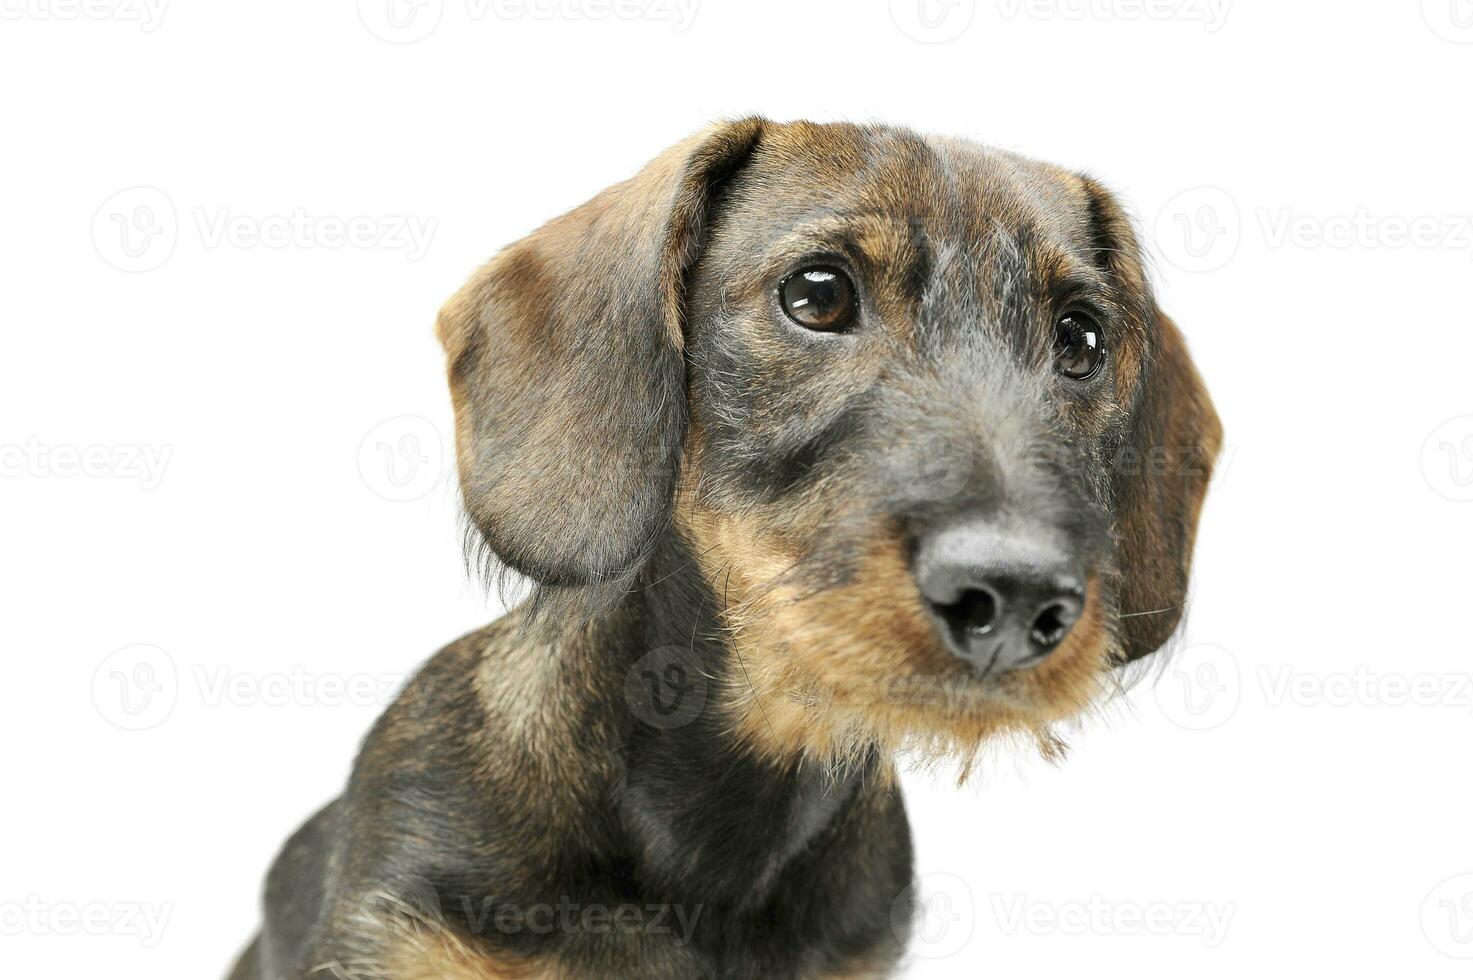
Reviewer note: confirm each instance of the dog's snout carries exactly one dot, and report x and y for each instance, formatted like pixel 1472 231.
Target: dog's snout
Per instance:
pixel 1002 598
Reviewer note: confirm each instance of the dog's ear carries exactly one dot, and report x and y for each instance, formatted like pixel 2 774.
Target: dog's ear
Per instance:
pixel 1163 467
pixel 567 372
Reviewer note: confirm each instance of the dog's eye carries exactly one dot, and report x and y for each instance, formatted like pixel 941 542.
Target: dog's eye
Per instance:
pixel 1079 346
pixel 820 298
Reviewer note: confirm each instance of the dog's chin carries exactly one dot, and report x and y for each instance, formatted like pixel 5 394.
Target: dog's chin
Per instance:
pixel 838 671
pixel 815 686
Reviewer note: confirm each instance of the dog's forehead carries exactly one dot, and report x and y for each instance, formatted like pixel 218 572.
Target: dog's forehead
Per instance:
pixel 951 188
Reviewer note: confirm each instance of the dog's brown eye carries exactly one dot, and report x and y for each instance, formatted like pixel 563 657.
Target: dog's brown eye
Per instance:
pixel 1079 346
pixel 820 298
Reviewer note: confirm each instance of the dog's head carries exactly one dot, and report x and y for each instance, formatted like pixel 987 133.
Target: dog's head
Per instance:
pixel 909 400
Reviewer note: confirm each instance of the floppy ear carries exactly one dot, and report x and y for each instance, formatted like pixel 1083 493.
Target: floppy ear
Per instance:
pixel 1177 438
pixel 567 373
pixel 1162 471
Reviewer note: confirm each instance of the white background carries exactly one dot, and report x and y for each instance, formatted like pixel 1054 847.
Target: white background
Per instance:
pixel 226 473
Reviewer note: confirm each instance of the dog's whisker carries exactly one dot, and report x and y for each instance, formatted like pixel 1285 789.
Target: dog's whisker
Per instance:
pixel 1151 612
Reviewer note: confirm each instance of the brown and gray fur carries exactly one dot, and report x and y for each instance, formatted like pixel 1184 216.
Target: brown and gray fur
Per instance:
pixel 717 511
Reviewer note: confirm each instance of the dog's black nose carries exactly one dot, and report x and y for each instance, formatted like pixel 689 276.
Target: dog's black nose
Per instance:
pixel 1003 599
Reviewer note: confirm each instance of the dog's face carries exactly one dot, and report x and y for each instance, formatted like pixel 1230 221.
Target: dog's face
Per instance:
pixel 909 401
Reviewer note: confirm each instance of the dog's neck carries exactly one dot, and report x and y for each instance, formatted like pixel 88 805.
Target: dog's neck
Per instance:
pixel 702 809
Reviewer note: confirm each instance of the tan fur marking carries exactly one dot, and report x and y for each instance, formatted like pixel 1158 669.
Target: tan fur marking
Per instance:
pixel 429 953
pixel 828 674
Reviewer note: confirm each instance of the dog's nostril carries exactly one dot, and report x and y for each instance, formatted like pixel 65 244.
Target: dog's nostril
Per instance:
pixel 974 612
pixel 1002 599
pixel 1052 624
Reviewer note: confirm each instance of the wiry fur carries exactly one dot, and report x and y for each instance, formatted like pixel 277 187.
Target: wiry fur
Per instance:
pixel 722 650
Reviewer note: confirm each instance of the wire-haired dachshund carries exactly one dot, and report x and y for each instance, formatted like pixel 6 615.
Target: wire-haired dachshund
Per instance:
pixel 819 445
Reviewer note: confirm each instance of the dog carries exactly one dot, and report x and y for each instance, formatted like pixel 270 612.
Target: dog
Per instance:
pixel 822 446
